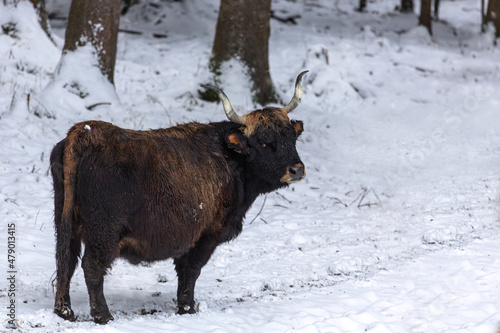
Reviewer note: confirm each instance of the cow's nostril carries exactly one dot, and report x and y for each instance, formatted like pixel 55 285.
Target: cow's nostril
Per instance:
pixel 296 171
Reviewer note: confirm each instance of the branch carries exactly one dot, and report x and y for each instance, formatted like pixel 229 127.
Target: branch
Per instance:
pixel 290 19
pixel 260 211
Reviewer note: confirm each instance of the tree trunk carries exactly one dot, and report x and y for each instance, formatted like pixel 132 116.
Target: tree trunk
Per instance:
pixel 436 9
pixel 425 15
pixel 489 10
pixel 493 15
pixel 483 17
pixel 43 18
pixel 242 33
pixel 362 5
pixel 406 6
pixel 95 22
pixel 496 16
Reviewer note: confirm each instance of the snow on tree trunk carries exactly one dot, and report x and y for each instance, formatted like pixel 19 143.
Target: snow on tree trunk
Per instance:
pixel 39 5
pixel 96 23
pixel 242 34
pixel 84 77
pixel 43 18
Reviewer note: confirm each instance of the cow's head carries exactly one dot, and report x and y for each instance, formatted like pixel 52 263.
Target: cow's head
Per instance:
pixel 267 139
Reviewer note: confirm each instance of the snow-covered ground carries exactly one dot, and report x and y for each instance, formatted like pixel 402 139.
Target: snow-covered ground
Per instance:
pixel 396 226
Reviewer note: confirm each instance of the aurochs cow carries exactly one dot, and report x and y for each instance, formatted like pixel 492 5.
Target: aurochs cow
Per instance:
pixel 167 193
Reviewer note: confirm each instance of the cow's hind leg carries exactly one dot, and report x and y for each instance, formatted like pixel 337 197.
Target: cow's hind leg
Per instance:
pixel 94 264
pixel 188 269
pixel 65 269
pixel 68 240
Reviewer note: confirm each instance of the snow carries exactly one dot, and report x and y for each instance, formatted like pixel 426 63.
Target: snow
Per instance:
pixel 395 227
pixel 70 92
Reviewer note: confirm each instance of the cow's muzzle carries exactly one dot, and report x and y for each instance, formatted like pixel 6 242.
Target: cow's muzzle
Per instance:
pixel 294 174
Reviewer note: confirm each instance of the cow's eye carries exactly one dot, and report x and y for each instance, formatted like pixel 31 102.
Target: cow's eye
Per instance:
pixel 263 145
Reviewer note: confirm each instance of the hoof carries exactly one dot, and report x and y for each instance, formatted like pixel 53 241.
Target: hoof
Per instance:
pixel 186 309
pixel 64 311
pixel 102 320
pixel 101 315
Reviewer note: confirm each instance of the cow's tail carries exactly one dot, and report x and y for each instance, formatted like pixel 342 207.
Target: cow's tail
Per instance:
pixel 64 163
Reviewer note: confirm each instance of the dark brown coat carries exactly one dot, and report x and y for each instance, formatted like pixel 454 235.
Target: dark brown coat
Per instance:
pixel 166 193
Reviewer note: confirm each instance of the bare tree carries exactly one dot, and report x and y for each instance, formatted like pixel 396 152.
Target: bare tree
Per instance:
pixel 95 22
pixel 406 6
pixel 496 16
pixel 483 17
pixel 362 5
pixel 242 33
pixel 87 64
pixel 43 18
pixel 425 15
pixel 493 15
pixel 436 9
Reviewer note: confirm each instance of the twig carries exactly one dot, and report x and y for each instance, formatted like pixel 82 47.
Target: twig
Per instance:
pixel 417 68
pixel 369 204
pixel 12 200
pixel 137 32
pixel 338 201
pixel 260 211
pixel 355 200
pixel 283 197
pixel 12 101
pixel 289 19
pixel 36 217
pixel 278 205
pixel 361 93
pixel 159 35
pixel 90 107
pixel 363 195
pixel 132 32
pixel 376 195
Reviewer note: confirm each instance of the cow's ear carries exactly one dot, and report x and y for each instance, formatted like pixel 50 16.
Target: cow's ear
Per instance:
pixel 238 142
pixel 299 127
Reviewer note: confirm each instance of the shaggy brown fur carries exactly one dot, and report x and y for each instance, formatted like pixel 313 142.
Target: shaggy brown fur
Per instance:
pixel 167 193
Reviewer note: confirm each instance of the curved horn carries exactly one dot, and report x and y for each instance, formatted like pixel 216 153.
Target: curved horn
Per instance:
pixel 231 115
pixel 297 96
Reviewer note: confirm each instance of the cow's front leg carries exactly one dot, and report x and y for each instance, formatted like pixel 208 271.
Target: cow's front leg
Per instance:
pixel 185 290
pixel 188 269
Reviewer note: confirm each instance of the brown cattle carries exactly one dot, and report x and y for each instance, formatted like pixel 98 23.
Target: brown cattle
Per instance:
pixel 167 193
